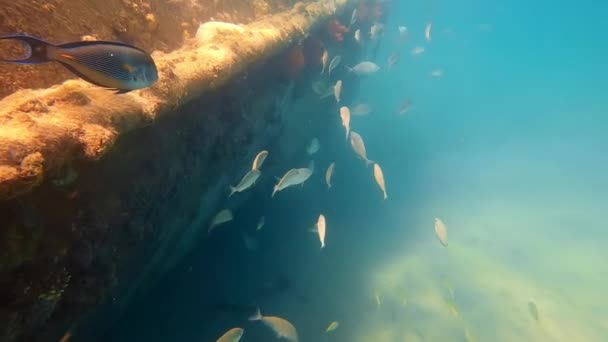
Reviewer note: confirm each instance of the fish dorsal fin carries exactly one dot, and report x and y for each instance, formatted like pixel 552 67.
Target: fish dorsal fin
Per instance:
pixel 97 42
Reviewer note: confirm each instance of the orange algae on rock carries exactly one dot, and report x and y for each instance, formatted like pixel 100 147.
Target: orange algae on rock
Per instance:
pixel 78 120
pixel 89 178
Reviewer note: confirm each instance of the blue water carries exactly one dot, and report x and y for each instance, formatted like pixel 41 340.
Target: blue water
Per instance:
pixel 508 148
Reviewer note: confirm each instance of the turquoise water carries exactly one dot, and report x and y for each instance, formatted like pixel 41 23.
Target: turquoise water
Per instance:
pixel 508 148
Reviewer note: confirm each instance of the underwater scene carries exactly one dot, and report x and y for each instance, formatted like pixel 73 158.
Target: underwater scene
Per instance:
pixel 331 170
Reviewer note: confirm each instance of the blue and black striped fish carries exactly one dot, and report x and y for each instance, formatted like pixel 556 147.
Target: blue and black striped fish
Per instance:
pixel 112 65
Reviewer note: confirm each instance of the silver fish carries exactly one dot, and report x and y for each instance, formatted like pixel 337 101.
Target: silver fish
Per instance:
pixel 338 90
pixel 334 64
pixel 329 173
pixel 292 177
pixel 437 73
pixel 322 89
pixel 361 109
pixel 324 59
pixel 250 243
pixel 259 160
pixel 356 142
pixel 232 335
pixel 261 223
pixel 345 116
pixel 313 147
pixel 379 176
pixel 353 17
pixel 219 218
pixel 405 107
pixel 376 31
pixel 533 311
pixel 418 50
pixel 441 231
pixel 392 59
pixel 364 68
pixel 282 327
pixel 311 166
pixel 246 182
pixel 321 226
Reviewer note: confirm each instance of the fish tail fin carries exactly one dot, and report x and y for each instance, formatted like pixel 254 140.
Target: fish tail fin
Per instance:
pixel 36 49
pixel 348 69
pixel 232 191
pixel 369 162
pixel 385 195
pixel 257 316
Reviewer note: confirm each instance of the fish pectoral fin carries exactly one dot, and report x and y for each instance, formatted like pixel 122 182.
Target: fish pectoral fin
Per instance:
pixel 128 67
pixel 122 91
pixel 67 56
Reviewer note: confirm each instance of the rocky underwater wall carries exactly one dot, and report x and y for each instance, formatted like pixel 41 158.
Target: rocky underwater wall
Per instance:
pixel 101 194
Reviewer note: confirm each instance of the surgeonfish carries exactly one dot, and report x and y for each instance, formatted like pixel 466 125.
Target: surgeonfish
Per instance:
pixel 113 65
pixel 232 335
pixel 282 327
